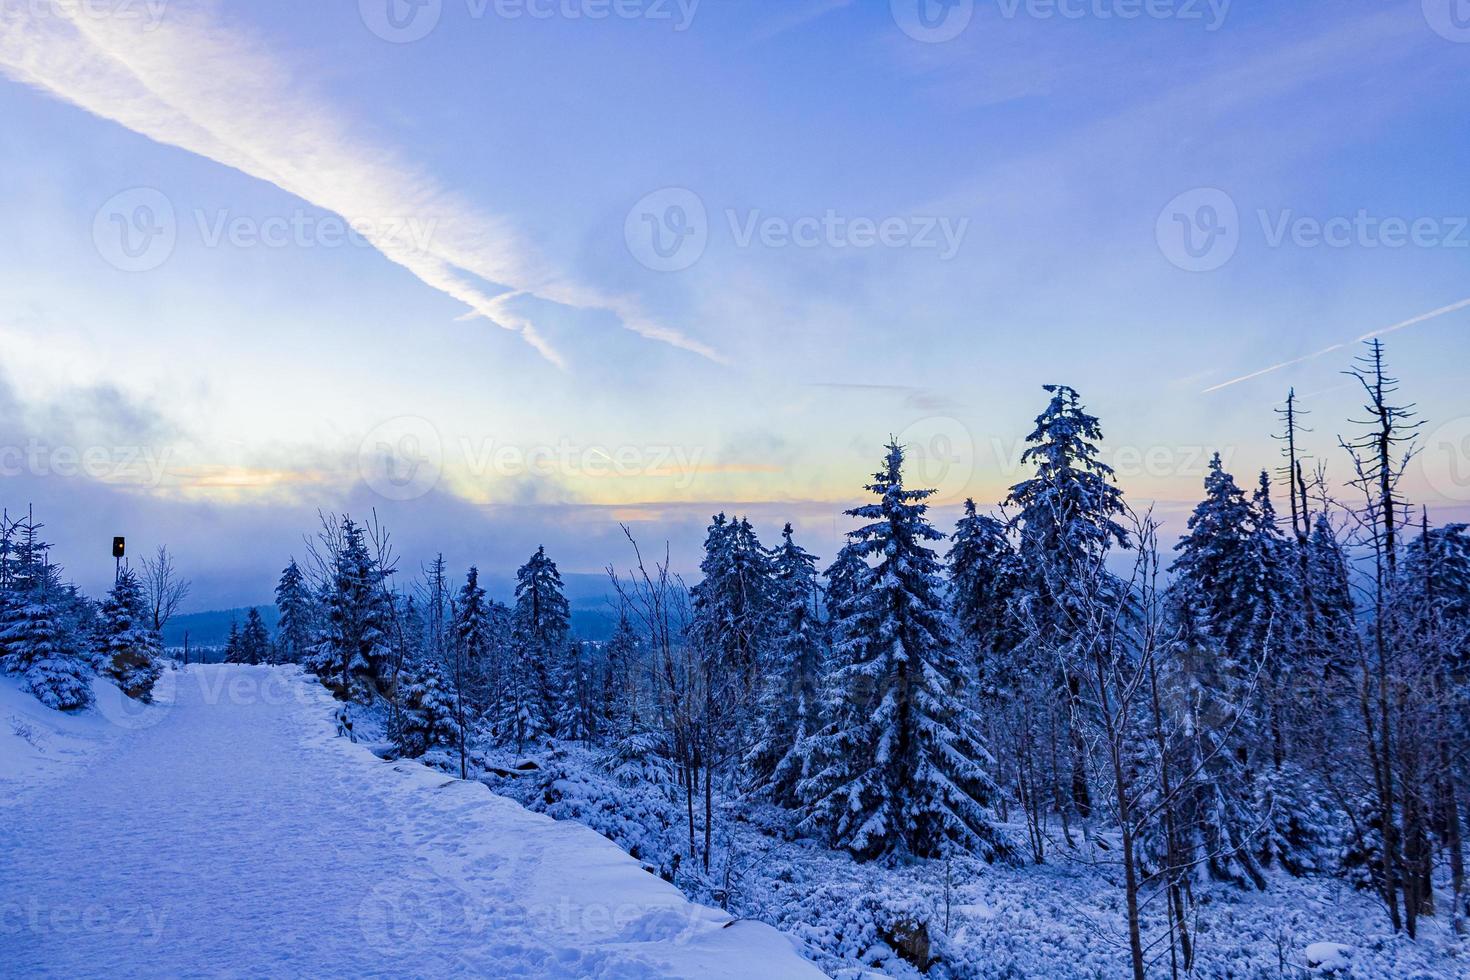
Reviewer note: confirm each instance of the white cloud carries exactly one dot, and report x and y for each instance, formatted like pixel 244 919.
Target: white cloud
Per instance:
pixel 184 81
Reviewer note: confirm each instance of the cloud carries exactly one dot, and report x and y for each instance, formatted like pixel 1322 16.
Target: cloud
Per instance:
pixel 184 81
pixel 1401 325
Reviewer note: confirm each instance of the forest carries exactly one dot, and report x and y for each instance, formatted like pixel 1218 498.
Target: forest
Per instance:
pixel 1282 697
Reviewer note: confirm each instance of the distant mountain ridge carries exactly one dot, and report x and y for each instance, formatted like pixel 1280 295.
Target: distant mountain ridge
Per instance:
pixel 591 596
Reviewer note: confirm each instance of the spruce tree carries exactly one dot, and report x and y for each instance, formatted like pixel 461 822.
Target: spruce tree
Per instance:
pixel 1068 521
pixel 733 603
pixel 234 652
pixel 790 708
pixel 355 650
pixel 540 624
pixel 297 616
pixel 900 769
pixel 1215 670
pixel 126 648
pixel 255 640
pixel 985 578
pixel 36 640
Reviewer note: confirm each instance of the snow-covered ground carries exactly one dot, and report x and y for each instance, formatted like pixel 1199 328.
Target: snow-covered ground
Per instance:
pixel 230 830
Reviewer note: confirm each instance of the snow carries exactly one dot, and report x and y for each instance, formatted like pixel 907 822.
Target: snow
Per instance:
pixel 1329 957
pixel 229 829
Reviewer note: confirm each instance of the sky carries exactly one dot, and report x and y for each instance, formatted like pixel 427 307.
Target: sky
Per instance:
pixel 513 272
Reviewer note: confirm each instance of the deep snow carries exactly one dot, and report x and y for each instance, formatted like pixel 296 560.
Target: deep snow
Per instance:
pixel 229 829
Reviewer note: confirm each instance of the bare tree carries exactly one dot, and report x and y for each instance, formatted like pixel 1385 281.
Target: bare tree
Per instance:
pixel 164 588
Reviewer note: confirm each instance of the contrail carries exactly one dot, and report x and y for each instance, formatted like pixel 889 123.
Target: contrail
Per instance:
pixel 1413 321
pixel 221 94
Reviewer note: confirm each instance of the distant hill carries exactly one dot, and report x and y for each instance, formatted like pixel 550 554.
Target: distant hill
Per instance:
pixel 592 617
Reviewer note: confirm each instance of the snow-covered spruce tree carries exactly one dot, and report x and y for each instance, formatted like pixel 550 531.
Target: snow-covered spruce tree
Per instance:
pixel 900 768
pixel 1213 676
pixel 255 639
pixel 234 653
pixel 125 647
pixel 1067 516
pixel 539 627
pixel 473 636
pixel 790 708
pixel 733 602
pixel 36 640
pixel 1332 640
pixel 622 693
pixel 429 716
pixel 355 648
pixel 577 676
pixel 985 575
pixel 297 620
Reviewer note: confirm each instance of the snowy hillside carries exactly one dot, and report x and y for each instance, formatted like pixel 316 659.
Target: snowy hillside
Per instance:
pixel 230 829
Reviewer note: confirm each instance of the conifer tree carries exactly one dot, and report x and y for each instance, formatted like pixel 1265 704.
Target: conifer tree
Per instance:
pixel 297 616
pixel 234 653
pixel 985 578
pixel 36 641
pixel 540 624
pixel 125 646
pixel 790 709
pixel 900 769
pixel 733 602
pixel 355 649
pixel 1068 519
pixel 1215 672
pixel 255 640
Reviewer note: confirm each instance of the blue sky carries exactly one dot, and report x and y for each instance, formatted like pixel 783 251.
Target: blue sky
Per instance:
pixel 1032 178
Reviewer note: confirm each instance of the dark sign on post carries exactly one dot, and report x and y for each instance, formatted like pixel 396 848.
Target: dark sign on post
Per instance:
pixel 117 547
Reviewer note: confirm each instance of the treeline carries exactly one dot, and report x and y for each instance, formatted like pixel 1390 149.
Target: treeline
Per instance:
pixel 1286 694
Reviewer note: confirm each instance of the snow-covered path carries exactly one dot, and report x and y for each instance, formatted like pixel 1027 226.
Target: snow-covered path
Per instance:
pixel 231 832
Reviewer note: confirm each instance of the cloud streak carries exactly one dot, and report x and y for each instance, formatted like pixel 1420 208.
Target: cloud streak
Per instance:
pixel 186 82
pixel 1402 325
